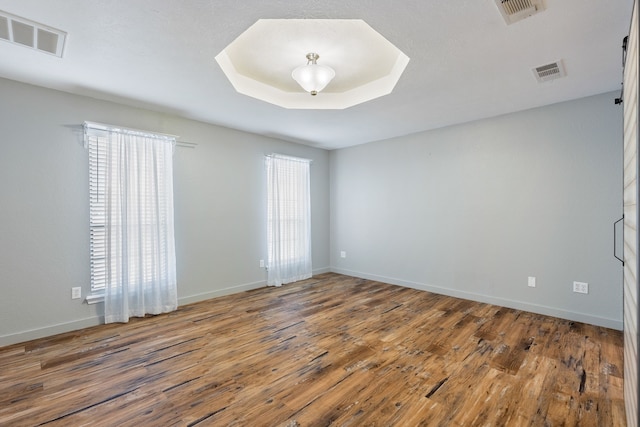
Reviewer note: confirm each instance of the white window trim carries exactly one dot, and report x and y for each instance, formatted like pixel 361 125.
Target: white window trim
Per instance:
pixel 94 298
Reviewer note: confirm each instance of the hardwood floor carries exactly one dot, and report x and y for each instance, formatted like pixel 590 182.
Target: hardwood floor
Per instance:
pixel 331 350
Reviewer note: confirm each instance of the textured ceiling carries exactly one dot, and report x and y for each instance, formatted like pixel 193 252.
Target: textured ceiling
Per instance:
pixel 466 63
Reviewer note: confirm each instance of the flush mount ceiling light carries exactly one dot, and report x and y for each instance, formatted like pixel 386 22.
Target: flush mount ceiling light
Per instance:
pixel 313 77
pixel 365 65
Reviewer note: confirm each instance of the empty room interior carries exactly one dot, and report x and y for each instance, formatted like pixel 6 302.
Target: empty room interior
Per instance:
pixel 303 213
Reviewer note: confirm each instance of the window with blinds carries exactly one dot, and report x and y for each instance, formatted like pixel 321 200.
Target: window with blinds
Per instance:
pixel 125 218
pixel 97 210
pixel 284 221
pixel 288 219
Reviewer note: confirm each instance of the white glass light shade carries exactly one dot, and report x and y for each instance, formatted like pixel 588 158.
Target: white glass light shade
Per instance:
pixel 313 77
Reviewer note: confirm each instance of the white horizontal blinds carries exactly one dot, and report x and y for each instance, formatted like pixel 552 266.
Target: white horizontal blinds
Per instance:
pixel 630 196
pixel 288 219
pixel 97 214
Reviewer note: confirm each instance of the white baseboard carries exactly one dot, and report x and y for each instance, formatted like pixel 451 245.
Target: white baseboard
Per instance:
pixel 503 302
pixel 321 270
pixel 60 328
pixel 221 292
pixel 235 289
pixel 48 331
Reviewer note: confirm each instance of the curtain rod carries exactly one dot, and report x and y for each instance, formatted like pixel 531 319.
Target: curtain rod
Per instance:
pixel 284 156
pixel 122 129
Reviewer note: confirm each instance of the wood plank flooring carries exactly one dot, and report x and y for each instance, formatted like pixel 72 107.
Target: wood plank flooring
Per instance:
pixel 331 350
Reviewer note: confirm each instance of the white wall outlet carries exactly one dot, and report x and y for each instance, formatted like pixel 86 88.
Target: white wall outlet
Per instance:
pixel 581 287
pixel 261 263
pixel 76 293
pixel 343 254
pixel 531 282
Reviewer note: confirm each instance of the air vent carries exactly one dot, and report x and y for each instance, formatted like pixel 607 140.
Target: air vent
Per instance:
pixel 24 32
pixel 552 71
pixel 516 10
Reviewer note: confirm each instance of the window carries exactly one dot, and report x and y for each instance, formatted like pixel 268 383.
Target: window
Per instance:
pixel 132 248
pixel 288 219
pixel 97 147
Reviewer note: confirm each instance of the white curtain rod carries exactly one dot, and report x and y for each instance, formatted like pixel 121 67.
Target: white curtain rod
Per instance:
pixel 284 156
pixel 121 129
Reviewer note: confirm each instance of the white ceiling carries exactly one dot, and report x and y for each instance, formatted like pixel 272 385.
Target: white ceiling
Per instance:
pixel 466 63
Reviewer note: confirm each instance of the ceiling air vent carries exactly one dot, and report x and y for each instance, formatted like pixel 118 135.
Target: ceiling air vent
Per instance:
pixel 24 32
pixel 516 10
pixel 552 71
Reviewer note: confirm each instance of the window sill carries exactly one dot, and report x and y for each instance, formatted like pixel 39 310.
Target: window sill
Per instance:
pixel 94 299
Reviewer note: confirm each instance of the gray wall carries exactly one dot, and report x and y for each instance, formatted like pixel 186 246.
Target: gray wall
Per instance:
pixel 473 210
pixel 219 193
pixel 469 210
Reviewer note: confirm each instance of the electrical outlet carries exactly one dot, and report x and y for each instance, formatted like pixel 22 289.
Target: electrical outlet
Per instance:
pixel 531 282
pixel 261 263
pixel 343 254
pixel 581 287
pixel 76 293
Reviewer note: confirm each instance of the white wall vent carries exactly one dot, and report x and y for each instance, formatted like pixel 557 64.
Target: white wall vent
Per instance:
pixel 516 10
pixel 547 72
pixel 24 32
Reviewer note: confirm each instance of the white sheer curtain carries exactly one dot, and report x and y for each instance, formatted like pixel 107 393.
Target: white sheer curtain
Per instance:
pixel 288 219
pixel 139 245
